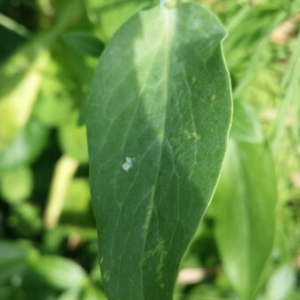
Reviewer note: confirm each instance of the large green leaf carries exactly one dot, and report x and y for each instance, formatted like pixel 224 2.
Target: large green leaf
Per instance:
pixel 158 120
pixel 244 205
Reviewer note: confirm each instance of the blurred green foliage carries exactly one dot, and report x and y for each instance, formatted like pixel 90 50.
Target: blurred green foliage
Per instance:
pixel 49 50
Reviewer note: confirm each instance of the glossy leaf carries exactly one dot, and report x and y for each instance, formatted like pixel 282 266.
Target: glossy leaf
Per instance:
pixel 85 43
pixel 244 204
pixel 157 127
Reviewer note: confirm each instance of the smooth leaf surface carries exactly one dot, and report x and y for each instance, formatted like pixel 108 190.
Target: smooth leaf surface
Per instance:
pixel 158 121
pixel 244 204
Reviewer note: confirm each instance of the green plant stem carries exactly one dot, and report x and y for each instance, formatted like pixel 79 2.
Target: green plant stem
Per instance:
pixel 63 174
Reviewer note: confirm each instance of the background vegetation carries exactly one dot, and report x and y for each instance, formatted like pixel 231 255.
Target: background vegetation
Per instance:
pixel 49 50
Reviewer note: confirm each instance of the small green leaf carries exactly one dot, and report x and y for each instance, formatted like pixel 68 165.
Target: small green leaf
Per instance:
pixel 244 204
pixel 157 127
pixel 110 15
pixel 281 283
pixel 25 220
pixel 72 139
pixel 14 258
pixel 16 184
pixel 21 75
pixel 59 272
pixel 245 127
pixel 77 207
pixel 92 293
pixel 54 103
pixel 78 196
pixel 71 294
pixel 27 146
pixel 85 43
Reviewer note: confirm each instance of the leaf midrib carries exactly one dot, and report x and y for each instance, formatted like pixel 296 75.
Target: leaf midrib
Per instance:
pixel 169 18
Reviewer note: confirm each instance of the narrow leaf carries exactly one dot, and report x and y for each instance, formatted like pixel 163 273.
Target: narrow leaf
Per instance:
pixel 244 204
pixel 158 120
pixel 245 126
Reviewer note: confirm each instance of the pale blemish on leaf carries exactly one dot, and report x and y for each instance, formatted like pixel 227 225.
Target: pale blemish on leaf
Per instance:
pixel 128 163
pixel 160 251
pixel 148 217
pixel 106 276
pixel 169 3
pixel 196 136
pixel 192 135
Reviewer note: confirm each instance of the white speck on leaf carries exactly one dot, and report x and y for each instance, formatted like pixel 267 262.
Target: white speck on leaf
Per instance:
pixel 128 164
